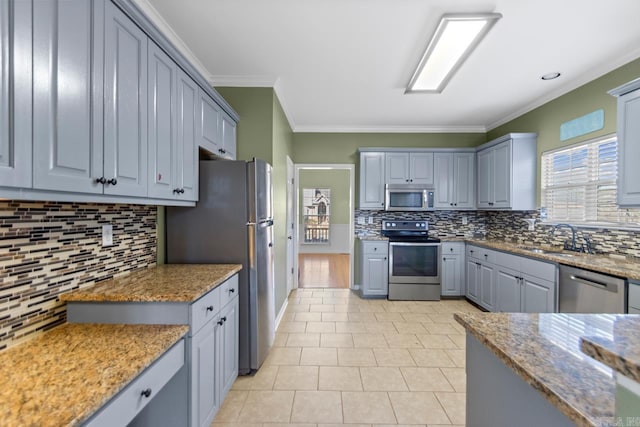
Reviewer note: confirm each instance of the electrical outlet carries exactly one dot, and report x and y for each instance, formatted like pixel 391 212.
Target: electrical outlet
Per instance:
pixel 361 220
pixel 465 220
pixel 370 220
pixel 107 235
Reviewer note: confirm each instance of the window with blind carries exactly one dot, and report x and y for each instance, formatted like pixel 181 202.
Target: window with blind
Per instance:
pixel 579 184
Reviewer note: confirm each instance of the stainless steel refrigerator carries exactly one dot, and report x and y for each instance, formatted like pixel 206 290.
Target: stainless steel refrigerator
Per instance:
pixel 233 223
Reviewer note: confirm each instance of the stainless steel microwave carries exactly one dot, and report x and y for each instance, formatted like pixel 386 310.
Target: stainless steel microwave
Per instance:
pixel 401 197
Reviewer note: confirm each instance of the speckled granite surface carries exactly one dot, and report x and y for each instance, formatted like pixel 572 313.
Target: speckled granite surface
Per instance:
pixel 622 267
pixel 543 349
pixel 622 351
pixel 373 237
pixel 169 282
pixel 63 376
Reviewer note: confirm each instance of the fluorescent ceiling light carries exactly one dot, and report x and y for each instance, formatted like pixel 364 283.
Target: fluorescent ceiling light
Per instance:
pixel 454 40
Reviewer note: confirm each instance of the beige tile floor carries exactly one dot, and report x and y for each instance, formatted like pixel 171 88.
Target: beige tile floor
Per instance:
pixel 339 359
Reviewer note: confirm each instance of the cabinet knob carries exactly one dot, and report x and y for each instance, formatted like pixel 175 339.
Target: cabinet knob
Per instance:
pixel 451 249
pixel 385 258
pixel 146 393
pixel 176 190
pixel 444 259
pixel 182 191
pixel 232 290
pixel 210 308
pixel 375 249
pixel 410 180
pixel 450 204
pixel 101 180
pixel 112 181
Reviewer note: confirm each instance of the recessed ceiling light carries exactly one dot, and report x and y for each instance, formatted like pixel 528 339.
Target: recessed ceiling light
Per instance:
pixel 453 41
pixel 551 76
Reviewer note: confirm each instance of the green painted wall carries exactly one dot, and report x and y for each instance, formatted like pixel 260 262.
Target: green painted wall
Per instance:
pixel 335 180
pixel 343 147
pixel 546 119
pixel 282 147
pixel 255 129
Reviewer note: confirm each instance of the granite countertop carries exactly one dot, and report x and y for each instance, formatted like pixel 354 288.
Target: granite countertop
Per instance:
pixel 163 283
pixel 621 267
pixel 543 349
pixel 621 351
pixel 62 377
pixel 372 237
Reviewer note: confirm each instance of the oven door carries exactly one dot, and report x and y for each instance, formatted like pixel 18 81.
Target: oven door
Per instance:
pixel 414 262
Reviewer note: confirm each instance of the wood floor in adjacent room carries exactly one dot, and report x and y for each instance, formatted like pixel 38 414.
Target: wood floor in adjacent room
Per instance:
pixel 323 270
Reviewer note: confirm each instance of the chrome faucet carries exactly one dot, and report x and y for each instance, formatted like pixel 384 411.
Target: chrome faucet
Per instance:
pixel 573 246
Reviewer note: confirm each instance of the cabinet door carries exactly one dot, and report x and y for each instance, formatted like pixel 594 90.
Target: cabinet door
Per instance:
pixel 67 93
pixel 125 100
pixel 485 178
pixel 228 348
pixel 502 175
pixel 487 287
pixel 443 171
pixel 375 280
pixel 371 181
pixel 162 123
pixel 629 149
pixel 508 291
pixel 209 124
pixel 15 93
pixel 186 146
pixel 397 168
pixel 473 281
pixel 205 399
pixel 464 178
pixel 421 168
pixel 228 137
pixel 451 275
pixel 538 295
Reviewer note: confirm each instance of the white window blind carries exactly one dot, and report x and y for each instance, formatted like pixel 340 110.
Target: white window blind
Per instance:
pixel 579 184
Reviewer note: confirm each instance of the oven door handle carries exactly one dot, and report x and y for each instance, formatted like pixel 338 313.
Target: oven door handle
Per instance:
pixel 413 244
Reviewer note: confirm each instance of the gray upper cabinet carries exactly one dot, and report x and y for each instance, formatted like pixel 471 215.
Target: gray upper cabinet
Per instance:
pixel 454 176
pixel 209 126
pixel 162 123
pixel 228 137
pixel 125 105
pixel 67 93
pixel 506 175
pixel 628 133
pixel 15 93
pixel 371 175
pixel 186 146
pixel 409 168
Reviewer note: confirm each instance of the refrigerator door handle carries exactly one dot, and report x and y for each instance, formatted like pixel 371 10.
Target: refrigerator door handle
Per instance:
pixel 266 223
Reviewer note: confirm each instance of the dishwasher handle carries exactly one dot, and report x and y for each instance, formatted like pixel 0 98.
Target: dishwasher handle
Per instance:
pixel 611 287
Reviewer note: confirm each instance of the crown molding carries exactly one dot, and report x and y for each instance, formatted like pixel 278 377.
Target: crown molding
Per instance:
pixel 581 80
pixel 390 129
pixel 166 29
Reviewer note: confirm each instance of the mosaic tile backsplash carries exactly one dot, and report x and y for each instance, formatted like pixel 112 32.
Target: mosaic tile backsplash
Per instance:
pixel 49 248
pixel 509 226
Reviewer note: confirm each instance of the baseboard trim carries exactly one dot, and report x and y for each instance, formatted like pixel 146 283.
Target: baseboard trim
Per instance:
pixel 281 313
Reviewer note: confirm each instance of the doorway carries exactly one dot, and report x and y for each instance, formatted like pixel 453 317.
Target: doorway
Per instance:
pixel 324 225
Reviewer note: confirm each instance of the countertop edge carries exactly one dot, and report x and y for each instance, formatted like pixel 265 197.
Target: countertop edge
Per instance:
pixel 617 362
pixel 571 412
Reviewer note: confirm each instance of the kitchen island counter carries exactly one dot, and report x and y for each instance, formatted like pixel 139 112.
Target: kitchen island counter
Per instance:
pixel 163 283
pixel 541 352
pixel 65 375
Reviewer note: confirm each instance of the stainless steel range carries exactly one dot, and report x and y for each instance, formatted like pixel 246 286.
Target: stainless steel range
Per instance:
pixel 414 261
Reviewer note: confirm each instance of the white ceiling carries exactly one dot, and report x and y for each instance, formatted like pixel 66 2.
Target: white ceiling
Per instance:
pixel 343 65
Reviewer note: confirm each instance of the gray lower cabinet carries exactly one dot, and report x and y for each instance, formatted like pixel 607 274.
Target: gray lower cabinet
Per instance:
pixel 538 295
pixel 508 291
pixel 211 347
pixel 481 276
pixel 374 268
pixel 628 132
pixel 67 94
pixel 487 286
pixel 473 281
pixel 173 165
pixel 15 93
pixel 452 269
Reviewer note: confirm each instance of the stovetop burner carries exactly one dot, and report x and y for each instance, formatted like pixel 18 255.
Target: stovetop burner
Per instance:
pixel 407 231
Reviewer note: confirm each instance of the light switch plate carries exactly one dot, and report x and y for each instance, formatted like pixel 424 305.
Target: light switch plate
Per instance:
pixel 107 235
pixel 361 220
pixel 370 220
pixel 465 220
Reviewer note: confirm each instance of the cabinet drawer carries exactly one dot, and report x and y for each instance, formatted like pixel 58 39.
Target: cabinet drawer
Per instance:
pixel 452 248
pixel 228 290
pixel 375 247
pixel 509 261
pixel 541 269
pixel 129 402
pixel 482 254
pixel 204 310
pixel 634 295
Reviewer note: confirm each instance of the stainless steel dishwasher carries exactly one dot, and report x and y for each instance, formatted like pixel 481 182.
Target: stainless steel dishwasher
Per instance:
pixel 583 291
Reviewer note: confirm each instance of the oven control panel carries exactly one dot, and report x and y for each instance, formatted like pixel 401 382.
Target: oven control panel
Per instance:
pixel 389 225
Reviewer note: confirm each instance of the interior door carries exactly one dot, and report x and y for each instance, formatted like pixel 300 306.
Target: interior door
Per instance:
pixel 291 253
